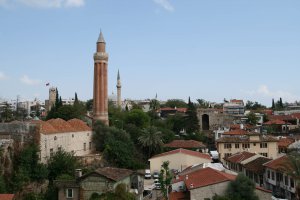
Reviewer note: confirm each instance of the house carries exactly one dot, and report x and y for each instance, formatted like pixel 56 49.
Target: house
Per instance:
pixel 203 184
pixel 278 179
pixel 251 142
pixel 57 134
pixel 100 181
pixel 284 143
pixel 234 161
pixel 179 159
pixel 234 107
pixel 186 144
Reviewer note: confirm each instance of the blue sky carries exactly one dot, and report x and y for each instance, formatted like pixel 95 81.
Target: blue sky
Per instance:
pixel 211 49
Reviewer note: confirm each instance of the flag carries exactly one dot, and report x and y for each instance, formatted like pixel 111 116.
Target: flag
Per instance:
pixel 47 84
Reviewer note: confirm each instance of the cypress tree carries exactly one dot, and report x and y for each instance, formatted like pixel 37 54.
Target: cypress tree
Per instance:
pixel 76 99
pixel 273 104
pixel 280 103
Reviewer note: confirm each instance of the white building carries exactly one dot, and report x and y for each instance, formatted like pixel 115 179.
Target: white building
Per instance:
pixel 71 136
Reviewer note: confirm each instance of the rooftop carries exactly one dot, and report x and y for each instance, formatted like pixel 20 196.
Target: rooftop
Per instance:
pixel 285 142
pixel 183 151
pixel 256 165
pixel 189 144
pixel 278 164
pixel 7 196
pixel 239 157
pixel 236 132
pixel 114 174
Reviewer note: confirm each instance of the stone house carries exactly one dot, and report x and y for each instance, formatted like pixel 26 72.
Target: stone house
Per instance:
pixel 179 159
pixel 100 181
pixel 71 136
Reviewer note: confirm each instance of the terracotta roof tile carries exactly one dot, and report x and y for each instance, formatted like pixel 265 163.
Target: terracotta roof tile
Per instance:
pixel 279 164
pixel 239 139
pixel 205 177
pixel 184 151
pixel 61 125
pixel 179 196
pixel 276 122
pixel 236 132
pixel 115 174
pixel 285 142
pixel 239 157
pixel 189 144
pixel 256 165
pixel 7 196
pixel 79 125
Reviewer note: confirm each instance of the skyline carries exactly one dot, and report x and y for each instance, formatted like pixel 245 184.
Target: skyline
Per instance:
pixel 212 50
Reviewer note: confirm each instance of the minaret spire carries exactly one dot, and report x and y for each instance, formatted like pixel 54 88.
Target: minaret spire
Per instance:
pixel 100 104
pixel 119 86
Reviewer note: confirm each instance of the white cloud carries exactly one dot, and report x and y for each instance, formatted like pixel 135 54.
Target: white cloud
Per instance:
pixel 3 76
pixel 165 4
pixel 45 3
pixel 264 91
pixel 26 80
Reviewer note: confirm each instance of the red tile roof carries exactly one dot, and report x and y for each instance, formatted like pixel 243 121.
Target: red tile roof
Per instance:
pixel 236 132
pixel 188 144
pixel 282 117
pixel 236 101
pixel 285 142
pixel 7 196
pixel 256 165
pixel 279 164
pixel 61 126
pixel 205 177
pixel 239 157
pixel 114 174
pixel 179 196
pixel 276 122
pixel 184 151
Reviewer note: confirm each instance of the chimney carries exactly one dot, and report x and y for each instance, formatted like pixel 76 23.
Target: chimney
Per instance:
pixel 78 173
pixel 192 185
pixel 186 177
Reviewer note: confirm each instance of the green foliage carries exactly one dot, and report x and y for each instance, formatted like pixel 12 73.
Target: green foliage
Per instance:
pixel 252 118
pixel 203 103
pixel 65 177
pixel 191 120
pixel 217 197
pixel 165 178
pixel 138 118
pixel 6 113
pixel 120 193
pixel 33 196
pixel 250 105
pixel 294 169
pixel 176 122
pixel 151 140
pixel 62 163
pixel 2 185
pixel 172 103
pixel 117 146
pixel 241 189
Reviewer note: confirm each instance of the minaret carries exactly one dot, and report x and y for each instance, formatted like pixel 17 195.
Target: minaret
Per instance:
pixel 119 100
pixel 100 104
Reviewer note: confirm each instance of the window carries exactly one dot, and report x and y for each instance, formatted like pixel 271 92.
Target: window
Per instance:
pixel 59 148
pixel 264 154
pixel 227 146
pixel 254 144
pixel 237 145
pixel 90 145
pixel 84 146
pixel 226 155
pixel 263 145
pixel 292 183
pixel 55 138
pixel 268 174
pixel 72 135
pixel 286 180
pixel 88 134
pixel 273 175
pixel 69 193
pixel 246 146
pixel 51 152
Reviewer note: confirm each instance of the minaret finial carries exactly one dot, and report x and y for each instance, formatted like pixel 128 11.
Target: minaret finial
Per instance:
pixel 118 78
pixel 101 38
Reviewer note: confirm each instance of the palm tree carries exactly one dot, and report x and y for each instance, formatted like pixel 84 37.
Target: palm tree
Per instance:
pixel 151 139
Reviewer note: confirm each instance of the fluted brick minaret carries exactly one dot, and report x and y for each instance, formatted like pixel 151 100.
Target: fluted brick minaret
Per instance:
pixel 100 109
pixel 119 98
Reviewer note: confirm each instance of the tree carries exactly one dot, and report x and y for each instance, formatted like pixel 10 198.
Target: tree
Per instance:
pixel 138 118
pixel 151 140
pixel 203 103
pixel 60 163
pixel 241 189
pixel 250 105
pixel 191 120
pixel 6 113
pixel 273 104
pixel 252 118
pixel 120 193
pixel 178 103
pixel 76 99
pixel 165 178
pixel 89 105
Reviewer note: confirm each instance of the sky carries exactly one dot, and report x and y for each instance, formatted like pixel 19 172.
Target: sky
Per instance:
pixel 209 49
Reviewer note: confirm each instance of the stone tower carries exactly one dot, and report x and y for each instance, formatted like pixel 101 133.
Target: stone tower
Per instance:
pixel 52 98
pixel 100 104
pixel 119 100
